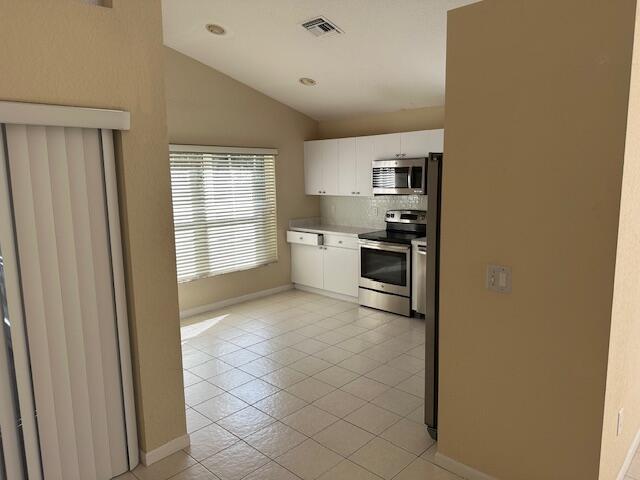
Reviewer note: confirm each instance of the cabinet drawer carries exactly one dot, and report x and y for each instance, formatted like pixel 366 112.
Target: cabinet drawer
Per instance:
pixel 341 241
pixel 303 238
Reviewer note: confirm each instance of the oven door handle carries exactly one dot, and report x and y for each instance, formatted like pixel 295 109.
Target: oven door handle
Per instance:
pixel 384 246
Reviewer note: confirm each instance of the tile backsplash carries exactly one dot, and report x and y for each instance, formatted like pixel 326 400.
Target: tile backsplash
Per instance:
pixel 366 211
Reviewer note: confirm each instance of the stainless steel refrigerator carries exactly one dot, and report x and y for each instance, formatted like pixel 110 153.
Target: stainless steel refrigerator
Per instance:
pixel 434 192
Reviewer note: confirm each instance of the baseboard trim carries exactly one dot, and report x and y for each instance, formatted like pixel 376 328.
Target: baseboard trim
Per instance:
pixel 629 458
pixel 460 469
pixel 169 448
pixel 190 312
pixel 326 293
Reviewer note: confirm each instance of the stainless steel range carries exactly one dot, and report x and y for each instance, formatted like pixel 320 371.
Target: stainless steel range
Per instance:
pixel 385 262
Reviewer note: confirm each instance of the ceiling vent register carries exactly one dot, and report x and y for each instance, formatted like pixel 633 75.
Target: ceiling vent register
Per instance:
pixel 321 26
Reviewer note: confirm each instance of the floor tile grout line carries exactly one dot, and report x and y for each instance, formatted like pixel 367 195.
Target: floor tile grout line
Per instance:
pixel 260 355
pixel 312 376
pixel 309 403
pixel 307 355
pixel 376 435
pixel 328 330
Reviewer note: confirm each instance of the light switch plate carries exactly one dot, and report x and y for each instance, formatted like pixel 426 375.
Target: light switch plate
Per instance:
pixel 499 278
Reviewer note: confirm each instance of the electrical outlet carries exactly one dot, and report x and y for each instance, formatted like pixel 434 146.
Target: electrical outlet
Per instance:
pixel 374 211
pixel 499 278
pixel 619 425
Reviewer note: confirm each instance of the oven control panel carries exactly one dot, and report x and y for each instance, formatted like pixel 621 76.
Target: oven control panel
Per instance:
pixel 407 216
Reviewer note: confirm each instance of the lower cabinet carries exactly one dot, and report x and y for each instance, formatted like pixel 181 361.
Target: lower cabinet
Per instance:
pixel 341 270
pixel 335 269
pixel 307 265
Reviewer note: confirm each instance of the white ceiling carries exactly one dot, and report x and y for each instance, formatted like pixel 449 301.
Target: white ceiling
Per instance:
pixel 391 56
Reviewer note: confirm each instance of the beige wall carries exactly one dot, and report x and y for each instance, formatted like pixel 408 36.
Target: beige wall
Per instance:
pixel 537 96
pixel 623 375
pixel 68 52
pixel 427 118
pixel 206 107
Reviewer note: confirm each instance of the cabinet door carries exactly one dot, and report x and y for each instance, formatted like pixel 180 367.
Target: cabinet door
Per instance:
pixel 341 270
pixel 347 166
pixel 420 144
pixel 313 168
pixel 329 167
pixel 386 146
pixel 364 157
pixel 307 265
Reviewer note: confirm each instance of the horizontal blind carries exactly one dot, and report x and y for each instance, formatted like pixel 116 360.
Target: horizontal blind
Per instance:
pixel 224 208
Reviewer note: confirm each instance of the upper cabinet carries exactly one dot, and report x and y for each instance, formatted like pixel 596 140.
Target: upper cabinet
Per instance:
pixel 364 156
pixel 386 146
pixel 313 167
pixel 347 166
pixel 420 144
pixel 343 166
pixel 321 167
pixel 408 144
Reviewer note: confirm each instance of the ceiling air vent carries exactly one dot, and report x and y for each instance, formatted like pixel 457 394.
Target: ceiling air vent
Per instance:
pixel 320 26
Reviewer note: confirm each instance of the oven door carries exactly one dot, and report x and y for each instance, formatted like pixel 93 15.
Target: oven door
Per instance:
pixel 385 267
pixel 399 177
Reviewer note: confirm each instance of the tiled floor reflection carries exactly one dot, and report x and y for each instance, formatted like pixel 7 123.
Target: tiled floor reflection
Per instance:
pixel 300 386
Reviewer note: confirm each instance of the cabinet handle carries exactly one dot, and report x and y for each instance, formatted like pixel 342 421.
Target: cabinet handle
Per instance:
pixel 357 193
pixel 340 242
pixel 319 191
pixel 301 238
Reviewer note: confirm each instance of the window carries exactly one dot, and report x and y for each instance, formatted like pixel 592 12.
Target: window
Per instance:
pixel 224 209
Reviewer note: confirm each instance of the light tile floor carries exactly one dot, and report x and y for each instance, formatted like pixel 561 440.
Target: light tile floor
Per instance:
pixel 299 386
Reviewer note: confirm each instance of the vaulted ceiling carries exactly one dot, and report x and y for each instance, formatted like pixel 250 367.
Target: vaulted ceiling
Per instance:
pixel 390 57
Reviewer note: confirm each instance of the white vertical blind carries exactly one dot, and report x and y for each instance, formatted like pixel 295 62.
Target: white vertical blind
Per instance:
pixel 17 360
pixel 11 466
pixel 62 231
pixel 224 206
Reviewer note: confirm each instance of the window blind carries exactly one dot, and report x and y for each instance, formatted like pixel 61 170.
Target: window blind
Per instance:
pixel 224 207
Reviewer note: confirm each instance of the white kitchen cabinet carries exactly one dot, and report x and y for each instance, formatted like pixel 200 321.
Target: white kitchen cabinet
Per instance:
pixel 408 144
pixel 341 270
pixel 343 166
pixel 313 167
pixel 326 261
pixel 307 265
pixel 347 166
pixel 321 167
pixel 386 146
pixel 354 166
pixel 364 157
pixel 339 167
pixel 420 144
pixel 330 161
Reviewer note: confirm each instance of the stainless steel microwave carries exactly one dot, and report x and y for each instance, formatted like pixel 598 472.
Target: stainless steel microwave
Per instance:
pixel 405 176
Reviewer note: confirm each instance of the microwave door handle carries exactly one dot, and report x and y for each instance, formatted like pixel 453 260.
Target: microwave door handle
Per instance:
pixel 410 176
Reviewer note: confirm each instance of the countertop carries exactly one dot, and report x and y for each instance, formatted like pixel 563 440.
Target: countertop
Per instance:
pixel 333 229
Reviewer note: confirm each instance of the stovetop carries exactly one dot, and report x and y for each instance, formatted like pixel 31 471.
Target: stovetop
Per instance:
pixel 392 236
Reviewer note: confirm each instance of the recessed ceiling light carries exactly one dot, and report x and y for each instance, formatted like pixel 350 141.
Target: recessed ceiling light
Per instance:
pixel 215 29
pixel 308 82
